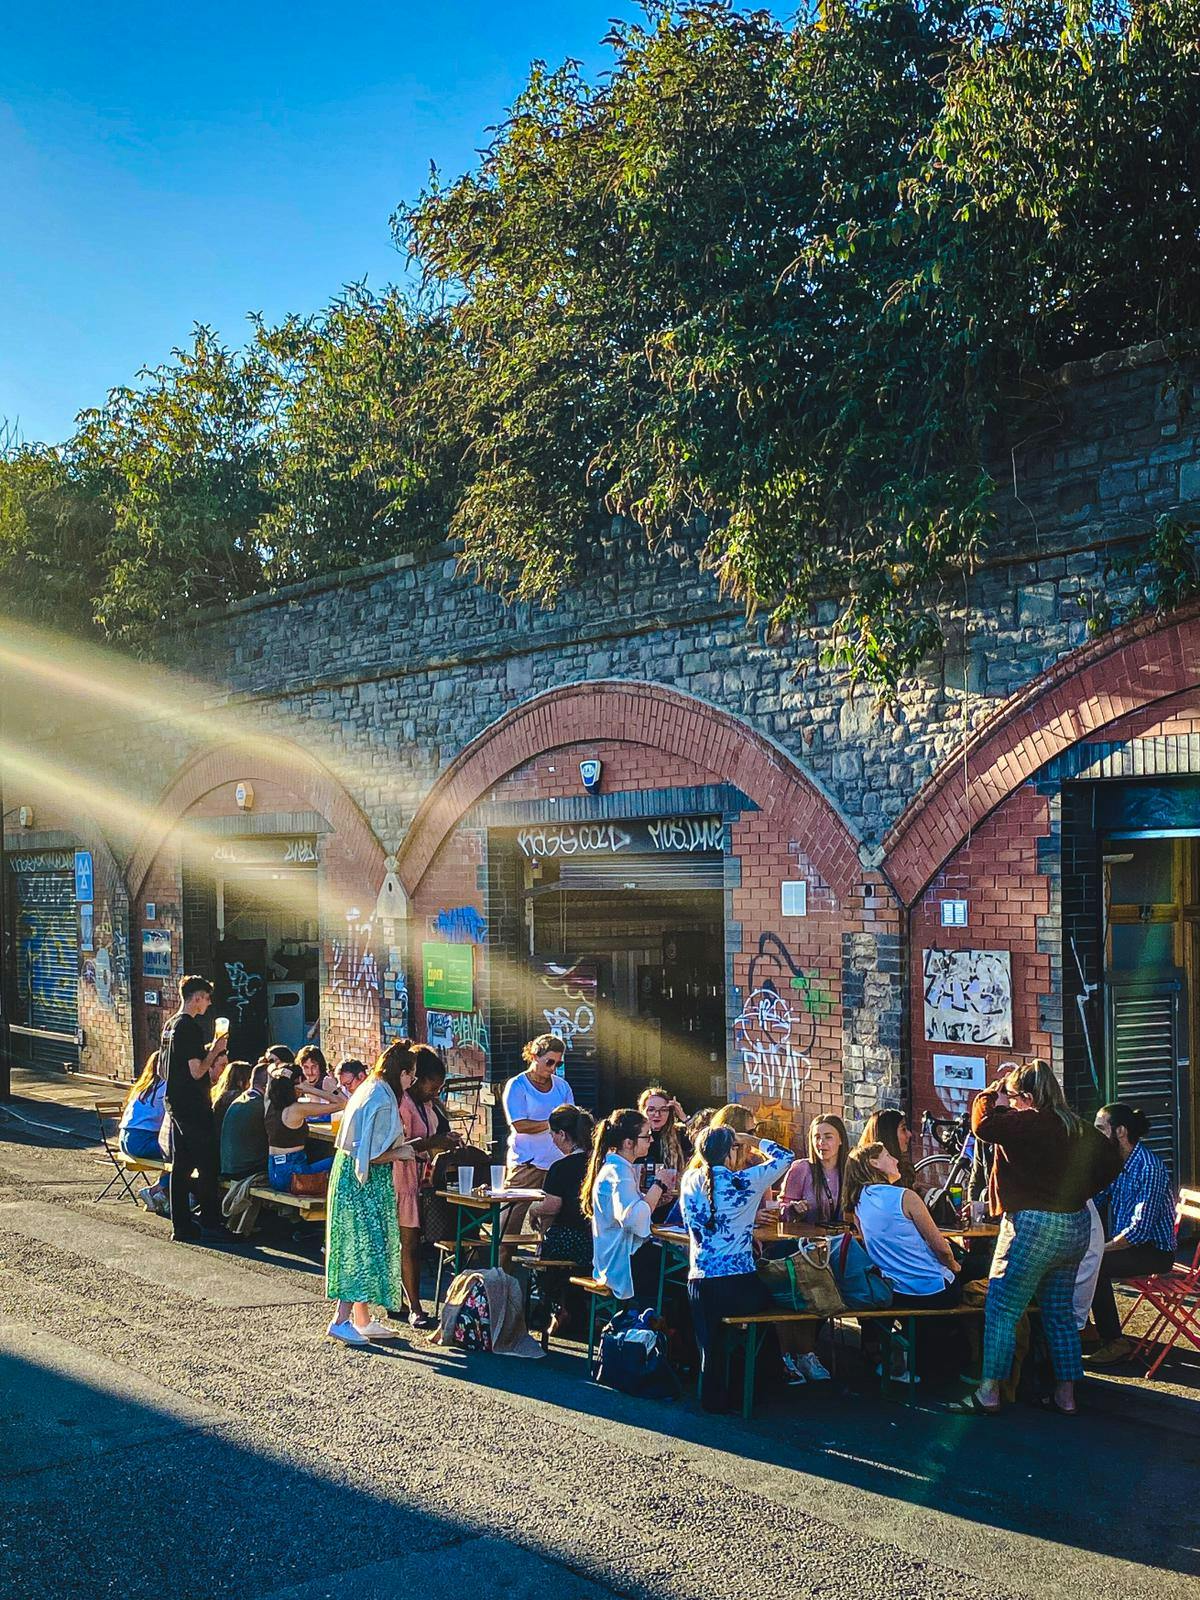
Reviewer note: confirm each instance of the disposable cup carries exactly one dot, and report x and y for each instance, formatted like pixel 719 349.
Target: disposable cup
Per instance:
pixel 498 1177
pixel 466 1180
pixel 978 1213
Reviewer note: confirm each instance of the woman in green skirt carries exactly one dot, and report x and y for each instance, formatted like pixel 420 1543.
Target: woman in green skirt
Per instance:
pixel 362 1235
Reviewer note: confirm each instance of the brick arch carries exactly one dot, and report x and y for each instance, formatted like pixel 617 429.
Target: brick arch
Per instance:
pixel 1131 668
pixel 639 713
pixel 270 760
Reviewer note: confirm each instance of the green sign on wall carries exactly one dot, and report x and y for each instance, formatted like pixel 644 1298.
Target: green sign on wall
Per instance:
pixel 449 976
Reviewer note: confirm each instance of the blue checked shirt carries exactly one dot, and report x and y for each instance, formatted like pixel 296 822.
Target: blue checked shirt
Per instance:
pixel 1141 1207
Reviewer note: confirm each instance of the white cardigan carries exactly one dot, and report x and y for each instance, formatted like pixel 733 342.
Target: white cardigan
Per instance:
pixel 620 1223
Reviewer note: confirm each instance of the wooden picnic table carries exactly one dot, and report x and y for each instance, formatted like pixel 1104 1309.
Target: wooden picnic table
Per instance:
pixel 486 1206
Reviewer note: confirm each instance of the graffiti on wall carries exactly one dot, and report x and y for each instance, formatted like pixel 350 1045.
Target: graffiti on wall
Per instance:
pixel 354 976
pixel 968 997
pixel 569 840
pixel 106 971
pixel 463 1037
pixel 569 1004
pixel 459 925
pixel 689 833
pixel 241 987
pixel 776 1029
pixel 395 1012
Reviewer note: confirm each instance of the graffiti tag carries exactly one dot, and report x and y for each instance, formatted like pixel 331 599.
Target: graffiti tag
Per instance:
pixel 460 925
pixel 569 840
pixel 243 986
pixel 689 833
pixel 776 1030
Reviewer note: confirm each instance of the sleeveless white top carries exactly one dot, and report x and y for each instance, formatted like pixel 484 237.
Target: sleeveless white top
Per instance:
pixel 894 1244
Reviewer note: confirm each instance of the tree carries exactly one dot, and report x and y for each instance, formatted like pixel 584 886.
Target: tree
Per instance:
pixel 771 285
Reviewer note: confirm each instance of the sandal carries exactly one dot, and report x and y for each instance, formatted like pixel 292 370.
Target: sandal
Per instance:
pixel 1049 1403
pixel 971 1406
pixel 420 1320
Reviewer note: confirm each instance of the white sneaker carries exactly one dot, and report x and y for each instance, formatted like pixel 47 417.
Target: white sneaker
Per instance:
pixel 795 1371
pixel 375 1330
pixel 347 1333
pixel 812 1368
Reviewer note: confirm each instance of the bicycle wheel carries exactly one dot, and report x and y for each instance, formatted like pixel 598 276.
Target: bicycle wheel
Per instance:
pixel 933 1173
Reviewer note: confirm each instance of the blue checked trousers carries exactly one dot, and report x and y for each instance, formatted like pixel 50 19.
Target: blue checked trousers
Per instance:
pixel 1038 1252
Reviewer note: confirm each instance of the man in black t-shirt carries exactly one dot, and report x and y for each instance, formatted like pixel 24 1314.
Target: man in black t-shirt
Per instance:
pixel 186 1061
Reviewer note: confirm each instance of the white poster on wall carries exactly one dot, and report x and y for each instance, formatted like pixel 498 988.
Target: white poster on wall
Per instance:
pixel 968 1073
pixel 968 997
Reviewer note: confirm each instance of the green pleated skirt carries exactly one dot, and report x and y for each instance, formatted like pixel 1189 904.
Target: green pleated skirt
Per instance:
pixel 362 1235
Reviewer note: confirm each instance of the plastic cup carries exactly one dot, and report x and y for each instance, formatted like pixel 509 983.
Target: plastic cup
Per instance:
pixel 221 1027
pixel 466 1180
pixel 978 1213
pixel 497 1174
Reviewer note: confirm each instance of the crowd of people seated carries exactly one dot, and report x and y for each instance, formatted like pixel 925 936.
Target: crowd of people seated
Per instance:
pixel 1079 1206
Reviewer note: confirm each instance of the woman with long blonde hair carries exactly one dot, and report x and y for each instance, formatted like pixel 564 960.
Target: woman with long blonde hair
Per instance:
pixel 140 1129
pixel 1048 1165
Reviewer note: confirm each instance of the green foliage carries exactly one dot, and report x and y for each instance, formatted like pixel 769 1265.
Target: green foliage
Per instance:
pixel 1163 569
pixel 320 445
pixel 767 289
pixel 773 283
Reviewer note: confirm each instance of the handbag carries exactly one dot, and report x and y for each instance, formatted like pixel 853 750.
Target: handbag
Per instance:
pixel 312 1185
pixel 863 1287
pixel 804 1281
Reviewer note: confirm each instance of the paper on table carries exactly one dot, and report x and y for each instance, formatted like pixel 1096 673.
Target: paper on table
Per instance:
pixel 516 1194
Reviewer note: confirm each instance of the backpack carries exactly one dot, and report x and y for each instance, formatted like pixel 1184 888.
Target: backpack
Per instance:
pixel 633 1357
pixel 863 1287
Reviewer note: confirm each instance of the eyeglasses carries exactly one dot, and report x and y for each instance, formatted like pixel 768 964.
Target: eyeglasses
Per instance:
pixel 550 1061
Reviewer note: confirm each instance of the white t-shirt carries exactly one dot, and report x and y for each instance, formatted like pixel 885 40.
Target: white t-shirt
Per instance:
pixel 524 1103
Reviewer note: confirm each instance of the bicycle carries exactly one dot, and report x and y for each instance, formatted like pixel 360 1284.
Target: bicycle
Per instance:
pixel 938 1174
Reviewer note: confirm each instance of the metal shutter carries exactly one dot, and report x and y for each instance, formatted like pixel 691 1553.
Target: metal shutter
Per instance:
pixel 700 870
pixel 1145 1056
pixel 47 947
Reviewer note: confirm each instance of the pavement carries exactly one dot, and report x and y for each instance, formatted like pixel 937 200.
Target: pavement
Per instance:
pixel 172 1419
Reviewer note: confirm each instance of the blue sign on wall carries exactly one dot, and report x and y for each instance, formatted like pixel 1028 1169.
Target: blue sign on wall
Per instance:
pixel 84 880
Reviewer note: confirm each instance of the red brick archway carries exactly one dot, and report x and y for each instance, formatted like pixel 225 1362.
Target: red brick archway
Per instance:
pixel 1083 694
pixel 640 713
pixel 267 760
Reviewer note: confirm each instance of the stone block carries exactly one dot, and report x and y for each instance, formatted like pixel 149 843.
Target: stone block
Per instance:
pixel 1037 603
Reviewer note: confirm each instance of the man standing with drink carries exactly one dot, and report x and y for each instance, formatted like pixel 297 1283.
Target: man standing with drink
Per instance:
pixel 186 1061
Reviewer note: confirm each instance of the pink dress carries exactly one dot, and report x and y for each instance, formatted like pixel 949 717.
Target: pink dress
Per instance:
pixel 419 1122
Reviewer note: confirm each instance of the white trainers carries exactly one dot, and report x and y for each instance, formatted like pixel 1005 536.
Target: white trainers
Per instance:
pixel 347 1333
pixel 375 1330
pixel 813 1368
pixel 795 1372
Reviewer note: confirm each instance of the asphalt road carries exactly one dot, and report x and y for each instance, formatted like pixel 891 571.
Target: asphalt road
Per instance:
pixel 173 1422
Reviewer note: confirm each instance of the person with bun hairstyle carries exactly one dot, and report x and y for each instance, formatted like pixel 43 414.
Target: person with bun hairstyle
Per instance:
pixel 890 1128
pixel 1141 1223
pixel 621 1215
pixel 1048 1165
pixel 719 1197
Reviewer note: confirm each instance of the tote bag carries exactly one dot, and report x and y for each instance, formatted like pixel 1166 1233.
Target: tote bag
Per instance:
pixel 804 1281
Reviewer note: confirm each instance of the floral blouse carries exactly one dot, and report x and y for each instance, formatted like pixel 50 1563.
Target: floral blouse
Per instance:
pixel 721 1238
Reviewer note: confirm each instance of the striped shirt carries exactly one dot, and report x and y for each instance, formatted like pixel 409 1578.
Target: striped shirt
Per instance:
pixel 1141 1207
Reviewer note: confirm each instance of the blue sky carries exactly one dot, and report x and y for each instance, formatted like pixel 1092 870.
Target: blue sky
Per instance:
pixel 165 165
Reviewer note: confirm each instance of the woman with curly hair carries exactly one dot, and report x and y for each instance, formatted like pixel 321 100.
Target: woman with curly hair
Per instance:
pixel 719 1197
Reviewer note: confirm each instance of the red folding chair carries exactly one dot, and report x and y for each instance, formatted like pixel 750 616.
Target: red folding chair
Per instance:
pixel 1174 1296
